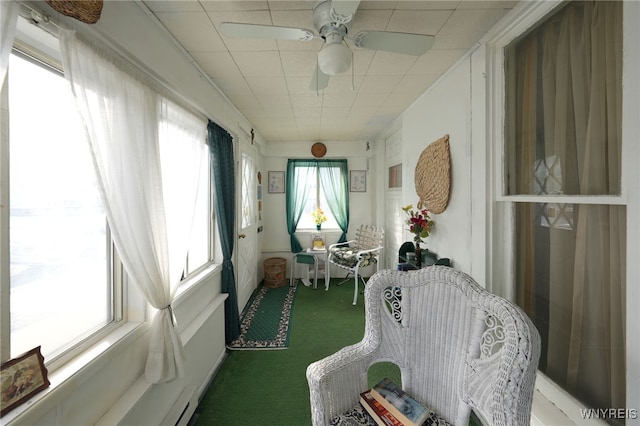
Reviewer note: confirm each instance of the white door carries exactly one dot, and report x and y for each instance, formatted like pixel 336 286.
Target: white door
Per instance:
pixel 247 212
pixel 393 238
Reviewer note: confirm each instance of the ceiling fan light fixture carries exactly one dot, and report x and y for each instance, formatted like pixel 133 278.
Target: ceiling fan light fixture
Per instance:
pixel 334 59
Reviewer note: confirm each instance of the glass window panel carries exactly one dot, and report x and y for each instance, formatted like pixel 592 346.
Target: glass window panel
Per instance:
pixel 570 278
pixel 249 202
pixel 564 104
pixel 59 268
pixel 316 199
pixel 199 252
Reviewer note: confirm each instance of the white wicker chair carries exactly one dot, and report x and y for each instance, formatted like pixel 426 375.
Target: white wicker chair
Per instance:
pixel 458 348
pixel 362 251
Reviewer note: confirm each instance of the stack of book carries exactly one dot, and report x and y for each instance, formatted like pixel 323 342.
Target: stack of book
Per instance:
pixel 389 405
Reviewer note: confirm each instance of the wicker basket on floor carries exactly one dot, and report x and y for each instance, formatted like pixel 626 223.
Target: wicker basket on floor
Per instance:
pixel 275 272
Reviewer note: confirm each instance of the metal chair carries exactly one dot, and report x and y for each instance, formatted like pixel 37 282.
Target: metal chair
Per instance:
pixel 358 253
pixel 459 348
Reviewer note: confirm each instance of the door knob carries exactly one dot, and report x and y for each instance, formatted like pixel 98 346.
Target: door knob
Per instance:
pixel 242 235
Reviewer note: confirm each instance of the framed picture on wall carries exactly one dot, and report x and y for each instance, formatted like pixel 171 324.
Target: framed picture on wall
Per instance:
pixel 276 182
pixel 358 181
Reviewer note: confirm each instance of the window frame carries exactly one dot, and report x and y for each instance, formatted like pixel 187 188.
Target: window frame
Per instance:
pixel 499 208
pixel 189 273
pixel 81 342
pixel 129 308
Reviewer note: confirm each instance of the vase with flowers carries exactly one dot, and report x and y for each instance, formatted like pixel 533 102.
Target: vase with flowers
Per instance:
pixel 318 217
pixel 420 225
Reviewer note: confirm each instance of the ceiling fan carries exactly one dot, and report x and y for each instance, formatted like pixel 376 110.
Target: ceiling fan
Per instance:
pixel 330 19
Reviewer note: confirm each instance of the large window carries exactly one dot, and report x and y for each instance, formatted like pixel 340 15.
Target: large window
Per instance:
pixel 180 135
pixel 60 280
pixel 315 199
pixel 563 151
pixel 313 184
pixel 65 282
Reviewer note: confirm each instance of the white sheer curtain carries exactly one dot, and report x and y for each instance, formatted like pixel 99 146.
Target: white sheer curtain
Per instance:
pixel 149 218
pixel 8 20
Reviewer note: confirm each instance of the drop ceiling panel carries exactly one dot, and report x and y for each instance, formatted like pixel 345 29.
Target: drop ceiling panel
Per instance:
pixel 244 5
pixel 259 64
pixel 419 21
pixel 194 30
pixel 467 26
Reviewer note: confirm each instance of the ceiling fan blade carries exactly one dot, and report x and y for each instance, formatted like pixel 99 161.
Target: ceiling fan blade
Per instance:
pixel 319 81
pixel 345 7
pixel 406 43
pixel 233 29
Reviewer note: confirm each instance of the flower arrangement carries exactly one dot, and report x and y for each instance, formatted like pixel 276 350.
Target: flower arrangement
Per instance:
pixel 318 216
pixel 420 224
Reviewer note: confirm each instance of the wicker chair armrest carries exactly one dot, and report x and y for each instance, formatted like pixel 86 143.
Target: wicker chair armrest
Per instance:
pixel 335 382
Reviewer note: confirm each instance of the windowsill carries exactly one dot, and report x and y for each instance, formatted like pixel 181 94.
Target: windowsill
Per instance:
pixel 64 376
pixel 96 356
pixel 552 405
pixel 316 230
pixel 190 282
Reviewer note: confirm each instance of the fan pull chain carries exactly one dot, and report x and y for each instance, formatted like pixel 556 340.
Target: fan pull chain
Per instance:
pixel 353 72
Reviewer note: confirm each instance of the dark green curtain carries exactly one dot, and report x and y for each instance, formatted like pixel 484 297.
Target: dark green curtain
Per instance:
pixel 333 176
pixel 335 184
pixel 222 169
pixel 298 174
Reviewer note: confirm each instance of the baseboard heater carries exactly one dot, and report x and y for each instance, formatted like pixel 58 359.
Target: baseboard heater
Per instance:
pixel 182 410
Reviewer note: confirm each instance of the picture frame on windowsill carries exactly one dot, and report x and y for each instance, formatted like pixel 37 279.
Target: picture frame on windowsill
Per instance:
pixel 21 378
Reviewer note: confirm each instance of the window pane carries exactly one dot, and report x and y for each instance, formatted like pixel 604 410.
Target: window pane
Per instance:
pixel 316 198
pixel 200 232
pixel 564 104
pixel 185 172
pixel 571 282
pixel 249 210
pixel 60 284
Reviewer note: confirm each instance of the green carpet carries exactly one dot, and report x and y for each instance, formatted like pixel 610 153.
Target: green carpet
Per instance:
pixel 264 323
pixel 270 387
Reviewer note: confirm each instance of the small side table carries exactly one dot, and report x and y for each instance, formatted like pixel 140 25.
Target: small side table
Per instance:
pixel 315 260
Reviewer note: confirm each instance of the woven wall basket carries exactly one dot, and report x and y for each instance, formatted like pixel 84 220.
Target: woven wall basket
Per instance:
pixel 433 176
pixel 87 11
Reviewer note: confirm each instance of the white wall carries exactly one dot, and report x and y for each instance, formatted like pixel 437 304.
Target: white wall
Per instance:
pixel 444 109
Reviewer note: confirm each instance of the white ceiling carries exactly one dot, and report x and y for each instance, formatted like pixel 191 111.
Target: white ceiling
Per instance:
pixel 268 80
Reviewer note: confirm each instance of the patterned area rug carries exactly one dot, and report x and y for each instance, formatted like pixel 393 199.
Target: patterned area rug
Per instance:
pixel 264 323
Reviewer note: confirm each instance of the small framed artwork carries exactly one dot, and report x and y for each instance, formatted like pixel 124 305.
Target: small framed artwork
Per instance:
pixel 276 182
pixel 22 377
pixel 358 180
